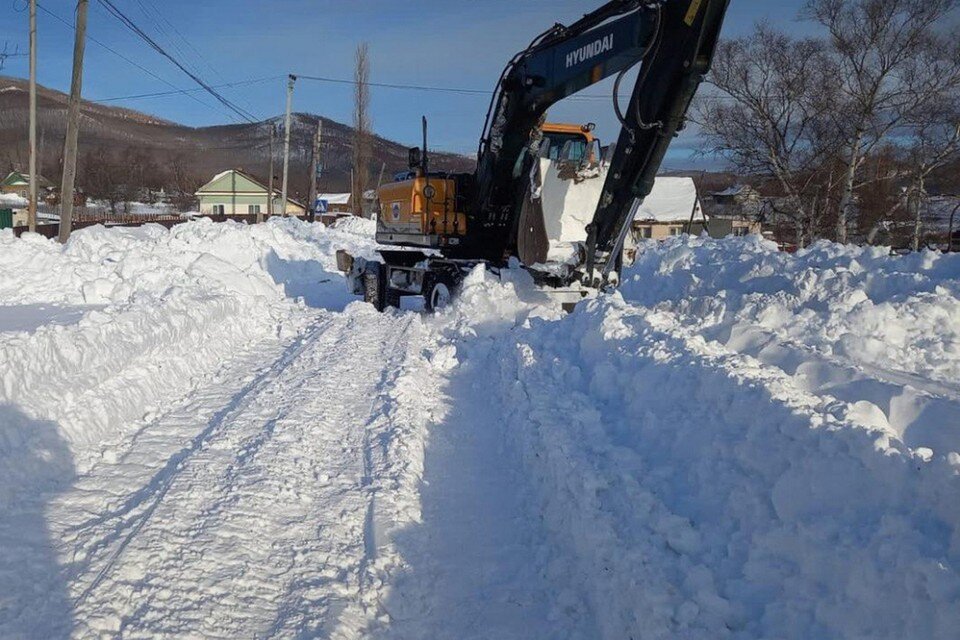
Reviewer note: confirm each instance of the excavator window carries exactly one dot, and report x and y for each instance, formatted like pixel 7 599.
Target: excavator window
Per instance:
pixel 564 146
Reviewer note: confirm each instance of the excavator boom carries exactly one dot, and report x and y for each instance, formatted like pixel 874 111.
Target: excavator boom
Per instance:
pixel 673 39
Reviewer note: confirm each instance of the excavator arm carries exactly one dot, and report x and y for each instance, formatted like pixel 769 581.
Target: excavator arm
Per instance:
pixel 674 39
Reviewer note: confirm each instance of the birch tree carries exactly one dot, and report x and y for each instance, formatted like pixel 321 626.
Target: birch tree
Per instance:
pixel 891 61
pixel 767 118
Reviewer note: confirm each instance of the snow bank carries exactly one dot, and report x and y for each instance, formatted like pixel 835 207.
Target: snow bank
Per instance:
pixel 703 495
pixel 356 225
pixel 157 311
pixel 857 303
pixel 718 451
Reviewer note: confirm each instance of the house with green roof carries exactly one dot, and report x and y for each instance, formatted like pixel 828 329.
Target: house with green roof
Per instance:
pixel 235 193
pixel 18 182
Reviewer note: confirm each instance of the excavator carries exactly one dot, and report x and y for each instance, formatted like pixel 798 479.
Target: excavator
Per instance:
pixel 444 224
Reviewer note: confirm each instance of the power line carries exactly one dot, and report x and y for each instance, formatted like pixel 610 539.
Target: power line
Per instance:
pixel 123 57
pixel 183 38
pixel 154 15
pixel 436 89
pixel 127 22
pixel 6 53
pixel 161 94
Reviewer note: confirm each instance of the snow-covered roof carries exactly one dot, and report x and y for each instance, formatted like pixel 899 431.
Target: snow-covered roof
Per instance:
pixel 672 200
pixel 8 200
pixel 335 198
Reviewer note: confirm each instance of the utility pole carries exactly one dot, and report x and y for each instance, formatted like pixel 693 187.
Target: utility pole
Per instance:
pixel 273 131
pixel 73 125
pixel 286 144
pixel 32 206
pixel 314 165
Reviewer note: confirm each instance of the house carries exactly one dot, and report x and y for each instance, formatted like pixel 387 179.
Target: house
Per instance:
pixel 735 211
pixel 674 207
pixel 669 209
pixel 329 207
pixel 739 195
pixel 235 193
pixel 335 203
pixel 18 183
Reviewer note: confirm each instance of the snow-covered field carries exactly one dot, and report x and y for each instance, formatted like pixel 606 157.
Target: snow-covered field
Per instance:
pixel 203 435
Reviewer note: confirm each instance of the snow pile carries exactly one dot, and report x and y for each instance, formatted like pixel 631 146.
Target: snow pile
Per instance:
pixel 856 303
pixel 356 225
pixel 155 311
pixel 695 493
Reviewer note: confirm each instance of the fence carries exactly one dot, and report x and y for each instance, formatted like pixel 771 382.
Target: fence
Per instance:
pixel 87 219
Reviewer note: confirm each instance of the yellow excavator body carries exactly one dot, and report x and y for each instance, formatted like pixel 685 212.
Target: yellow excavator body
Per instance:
pixel 428 211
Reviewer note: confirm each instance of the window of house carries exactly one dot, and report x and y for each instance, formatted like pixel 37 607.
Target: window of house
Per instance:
pixel 645 232
pixel 741 231
pixel 253 209
pixel 219 209
pixel 675 231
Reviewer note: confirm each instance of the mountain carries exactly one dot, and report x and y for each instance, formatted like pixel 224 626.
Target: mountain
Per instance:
pixel 140 150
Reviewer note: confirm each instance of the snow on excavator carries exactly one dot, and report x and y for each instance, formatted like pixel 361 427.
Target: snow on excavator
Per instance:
pixel 542 194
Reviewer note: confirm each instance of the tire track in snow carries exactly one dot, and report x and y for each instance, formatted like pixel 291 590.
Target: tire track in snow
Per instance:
pixel 150 496
pixel 266 519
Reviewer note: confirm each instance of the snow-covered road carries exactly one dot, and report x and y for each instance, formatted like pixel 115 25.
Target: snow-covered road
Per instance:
pixel 287 455
pixel 201 436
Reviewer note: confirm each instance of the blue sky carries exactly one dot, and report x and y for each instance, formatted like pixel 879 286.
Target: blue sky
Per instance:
pixel 457 43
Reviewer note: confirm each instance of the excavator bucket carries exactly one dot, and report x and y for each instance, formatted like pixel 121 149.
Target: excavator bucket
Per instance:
pixel 559 205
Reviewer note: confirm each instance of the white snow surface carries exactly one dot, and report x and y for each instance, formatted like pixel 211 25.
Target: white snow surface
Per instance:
pixel 203 435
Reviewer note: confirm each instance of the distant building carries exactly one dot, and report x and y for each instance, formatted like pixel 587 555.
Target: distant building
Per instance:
pixel 18 183
pixel 736 211
pixel 672 208
pixel 235 193
pixel 336 202
pixel 739 195
pixel 331 206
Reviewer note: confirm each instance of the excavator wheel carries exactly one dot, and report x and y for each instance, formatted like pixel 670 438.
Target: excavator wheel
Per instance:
pixel 438 292
pixel 374 285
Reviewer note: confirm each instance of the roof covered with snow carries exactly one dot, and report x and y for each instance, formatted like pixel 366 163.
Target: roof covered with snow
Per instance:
pixel 672 200
pixel 335 198
pixel 11 200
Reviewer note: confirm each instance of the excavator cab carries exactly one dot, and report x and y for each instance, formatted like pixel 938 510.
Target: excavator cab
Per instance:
pixel 569 142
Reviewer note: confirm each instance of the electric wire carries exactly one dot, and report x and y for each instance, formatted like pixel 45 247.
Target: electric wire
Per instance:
pixel 132 26
pixel 108 48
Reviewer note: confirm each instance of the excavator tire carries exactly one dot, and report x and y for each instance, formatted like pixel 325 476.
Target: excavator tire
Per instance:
pixel 374 285
pixel 438 292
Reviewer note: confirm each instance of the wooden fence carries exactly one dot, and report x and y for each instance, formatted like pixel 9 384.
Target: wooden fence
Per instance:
pixel 51 230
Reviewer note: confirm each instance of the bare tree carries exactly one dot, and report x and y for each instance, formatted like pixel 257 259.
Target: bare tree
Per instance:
pixel 775 93
pixel 934 141
pixel 185 184
pixel 891 62
pixel 362 142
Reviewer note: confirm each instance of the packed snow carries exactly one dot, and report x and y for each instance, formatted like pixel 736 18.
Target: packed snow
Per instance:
pixel 203 435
